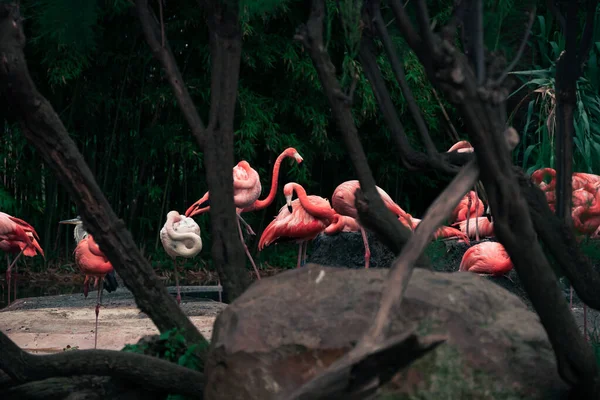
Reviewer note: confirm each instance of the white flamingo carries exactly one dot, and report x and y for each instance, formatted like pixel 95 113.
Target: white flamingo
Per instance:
pixel 180 237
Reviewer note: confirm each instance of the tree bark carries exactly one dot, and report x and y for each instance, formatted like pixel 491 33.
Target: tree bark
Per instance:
pixel 216 139
pixel 43 129
pixel 141 370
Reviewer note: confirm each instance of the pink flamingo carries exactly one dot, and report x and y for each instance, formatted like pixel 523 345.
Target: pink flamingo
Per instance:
pixel 486 258
pixel 444 232
pixel 461 147
pixel 482 225
pixel 343 203
pixel 300 220
pixel 17 237
pixel 342 223
pixel 246 191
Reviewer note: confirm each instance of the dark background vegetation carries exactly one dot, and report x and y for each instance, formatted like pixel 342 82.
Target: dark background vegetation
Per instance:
pixel 92 63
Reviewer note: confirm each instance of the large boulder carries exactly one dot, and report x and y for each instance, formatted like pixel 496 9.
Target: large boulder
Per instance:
pixel 346 250
pixel 286 329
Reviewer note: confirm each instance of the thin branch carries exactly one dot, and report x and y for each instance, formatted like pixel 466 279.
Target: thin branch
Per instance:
pixel 145 371
pixel 557 14
pixel 426 33
pixel 588 31
pixel 162 23
pixel 398 70
pixel 478 42
pixel 311 36
pixel 405 25
pixel 152 32
pixel 408 155
pixel 361 371
pixel 522 47
pixel 402 267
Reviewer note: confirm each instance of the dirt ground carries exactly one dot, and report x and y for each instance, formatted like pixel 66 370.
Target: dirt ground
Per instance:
pixel 49 324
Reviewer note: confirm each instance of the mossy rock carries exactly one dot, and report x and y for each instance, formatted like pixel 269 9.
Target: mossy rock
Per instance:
pixel 286 329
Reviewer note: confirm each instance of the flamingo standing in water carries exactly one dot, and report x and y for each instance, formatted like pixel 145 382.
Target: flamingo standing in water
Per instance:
pixel 17 237
pixel 180 237
pixel 299 220
pixel 486 258
pixel 343 200
pixel 246 191
pixel 91 261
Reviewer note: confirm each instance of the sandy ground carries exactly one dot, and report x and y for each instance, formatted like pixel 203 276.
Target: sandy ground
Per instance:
pixel 49 324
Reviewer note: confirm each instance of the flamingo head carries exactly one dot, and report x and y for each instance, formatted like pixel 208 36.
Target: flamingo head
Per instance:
pixel 288 192
pixel 198 207
pixel 292 152
pixel 174 216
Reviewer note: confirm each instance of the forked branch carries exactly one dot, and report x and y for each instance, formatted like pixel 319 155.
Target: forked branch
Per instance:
pixel 387 227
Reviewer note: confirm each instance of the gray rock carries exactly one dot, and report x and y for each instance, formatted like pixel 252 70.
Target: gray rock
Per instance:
pixel 287 328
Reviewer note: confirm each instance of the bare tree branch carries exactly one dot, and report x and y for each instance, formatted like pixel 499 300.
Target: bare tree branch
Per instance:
pixel 162 52
pixel 216 141
pixel 522 47
pixel 402 267
pixel 358 374
pixel 485 118
pixel 311 36
pixel 398 69
pixel 87 387
pixel 478 42
pixel 42 127
pixel 557 14
pixel 145 371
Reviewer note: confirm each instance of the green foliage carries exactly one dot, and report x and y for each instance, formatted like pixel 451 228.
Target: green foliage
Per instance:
pixel 537 144
pixel 172 346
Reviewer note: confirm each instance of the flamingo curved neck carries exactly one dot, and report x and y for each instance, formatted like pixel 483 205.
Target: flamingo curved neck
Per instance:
pixel 310 207
pixel 182 239
pixel 260 204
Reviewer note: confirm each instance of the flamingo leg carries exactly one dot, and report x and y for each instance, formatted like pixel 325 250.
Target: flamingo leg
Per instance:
pixel 304 253
pixel 249 230
pixel 367 250
pixel 176 272
pixel 246 249
pixel 220 290
pixel 8 274
pixel 86 286
pixel 98 302
pixel 299 254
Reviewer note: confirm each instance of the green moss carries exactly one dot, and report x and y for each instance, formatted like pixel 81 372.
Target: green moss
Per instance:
pixel 446 376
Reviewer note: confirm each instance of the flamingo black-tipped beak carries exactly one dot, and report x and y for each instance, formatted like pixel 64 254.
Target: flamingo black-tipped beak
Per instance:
pixel 289 207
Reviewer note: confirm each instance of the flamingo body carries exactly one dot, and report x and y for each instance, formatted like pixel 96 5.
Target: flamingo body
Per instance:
pixel 488 258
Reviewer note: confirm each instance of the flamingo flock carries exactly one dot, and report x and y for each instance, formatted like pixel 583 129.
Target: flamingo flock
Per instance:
pixel 302 219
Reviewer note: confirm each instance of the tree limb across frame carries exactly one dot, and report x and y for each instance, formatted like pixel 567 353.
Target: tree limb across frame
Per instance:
pixel 42 127
pixel 216 139
pixel 372 212
pixel 138 369
pixel 483 110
